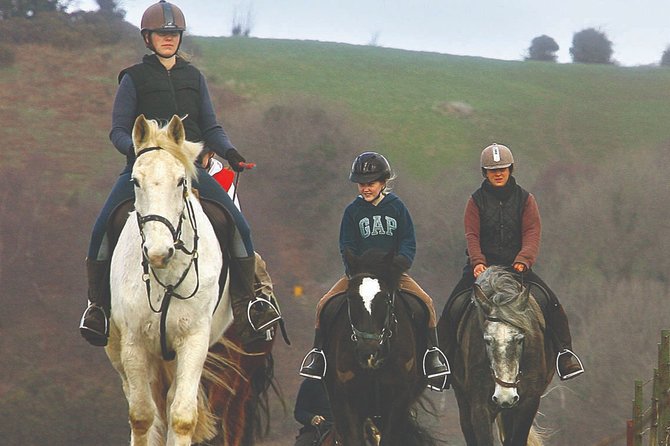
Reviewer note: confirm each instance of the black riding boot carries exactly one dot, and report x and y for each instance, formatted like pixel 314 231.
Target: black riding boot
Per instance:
pixel 435 363
pixel 314 364
pixel 94 324
pixel 253 315
pixel 568 364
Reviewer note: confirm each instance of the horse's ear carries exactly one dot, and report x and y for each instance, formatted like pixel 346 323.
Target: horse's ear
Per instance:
pixel 140 132
pixel 481 299
pixel 176 130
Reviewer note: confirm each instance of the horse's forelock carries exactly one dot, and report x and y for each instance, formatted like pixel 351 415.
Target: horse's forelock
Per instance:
pixel 504 290
pixel 186 153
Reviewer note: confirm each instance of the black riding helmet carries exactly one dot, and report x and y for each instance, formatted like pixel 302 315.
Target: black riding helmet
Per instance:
pixel 369 167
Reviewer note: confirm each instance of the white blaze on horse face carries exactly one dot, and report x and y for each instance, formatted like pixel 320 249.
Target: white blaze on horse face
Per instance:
pixel 368 289
pixel 504 345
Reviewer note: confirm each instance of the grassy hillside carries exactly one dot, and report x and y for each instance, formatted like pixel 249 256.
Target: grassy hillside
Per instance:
pixel 590 142
pixel 580 111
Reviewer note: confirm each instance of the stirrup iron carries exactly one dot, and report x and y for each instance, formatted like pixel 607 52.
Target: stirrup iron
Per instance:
pixel 443 384
pixel 262 327
pixel 303 365
pixel 444 359
pixel 83 319
pixel 567 351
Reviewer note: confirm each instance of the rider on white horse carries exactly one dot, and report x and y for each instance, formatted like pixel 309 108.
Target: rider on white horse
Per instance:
pixel 377 218
pixel 163 85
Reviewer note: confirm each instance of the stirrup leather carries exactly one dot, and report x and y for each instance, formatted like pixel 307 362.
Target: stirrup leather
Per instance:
pixel 260 300
pixel 444 359
pixel 304 364
pixel 82 325
pixel 566 351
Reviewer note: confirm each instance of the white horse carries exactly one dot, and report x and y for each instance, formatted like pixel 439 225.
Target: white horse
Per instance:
pixel 165 293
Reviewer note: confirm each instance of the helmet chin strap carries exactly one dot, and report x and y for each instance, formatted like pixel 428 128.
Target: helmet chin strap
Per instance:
pixel 377 198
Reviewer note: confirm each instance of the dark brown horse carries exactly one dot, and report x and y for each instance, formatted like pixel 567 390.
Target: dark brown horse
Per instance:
pixel 237 380
pixel 374 371
pixel 502 362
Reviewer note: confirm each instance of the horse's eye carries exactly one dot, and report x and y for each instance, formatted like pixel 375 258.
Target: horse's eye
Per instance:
pixel 135 182
pixel 181 182
pixel 519 338
pixel 488 339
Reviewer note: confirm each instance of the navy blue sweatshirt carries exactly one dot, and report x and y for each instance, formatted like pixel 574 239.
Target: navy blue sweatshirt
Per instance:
pixel 387 226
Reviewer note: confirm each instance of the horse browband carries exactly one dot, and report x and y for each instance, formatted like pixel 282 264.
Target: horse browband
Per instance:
pixel 147 150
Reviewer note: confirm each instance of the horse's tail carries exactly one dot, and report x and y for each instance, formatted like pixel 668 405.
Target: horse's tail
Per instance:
pixel 206 426
pixel 536 435
pixel 238 385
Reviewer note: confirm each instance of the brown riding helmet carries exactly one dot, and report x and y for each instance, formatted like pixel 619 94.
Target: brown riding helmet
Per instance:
pixel 162 16
pixel 496 156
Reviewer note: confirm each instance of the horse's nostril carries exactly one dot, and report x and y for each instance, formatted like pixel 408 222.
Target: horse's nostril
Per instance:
pixel 170 252
pixel 146 251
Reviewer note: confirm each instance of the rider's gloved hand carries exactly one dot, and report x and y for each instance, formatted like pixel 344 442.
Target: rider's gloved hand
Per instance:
pixel 234 159
pixel 401 262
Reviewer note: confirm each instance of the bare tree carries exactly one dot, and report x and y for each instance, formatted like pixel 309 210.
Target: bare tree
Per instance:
pixel 374 39
pixel 243 23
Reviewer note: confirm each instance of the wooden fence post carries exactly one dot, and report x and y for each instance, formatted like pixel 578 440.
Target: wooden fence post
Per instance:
pixel 637 414
pixel 653 422
pixel 664 384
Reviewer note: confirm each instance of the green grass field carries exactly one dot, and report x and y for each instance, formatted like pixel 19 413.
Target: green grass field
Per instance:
pixel 546 111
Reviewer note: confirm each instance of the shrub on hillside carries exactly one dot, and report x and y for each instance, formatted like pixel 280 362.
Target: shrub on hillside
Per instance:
pixel 591 46
pixel 543 48
pixel 7 56
pixel 81 29
pixel 665 58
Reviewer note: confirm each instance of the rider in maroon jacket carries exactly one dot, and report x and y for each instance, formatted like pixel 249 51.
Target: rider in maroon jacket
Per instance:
pixel 503 227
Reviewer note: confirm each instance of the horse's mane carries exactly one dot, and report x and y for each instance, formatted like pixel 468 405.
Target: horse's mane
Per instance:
pixel 503 290
pixel 185 153
pixel 376 262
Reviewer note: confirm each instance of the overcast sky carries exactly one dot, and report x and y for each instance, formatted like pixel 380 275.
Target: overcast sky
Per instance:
pixel 500 29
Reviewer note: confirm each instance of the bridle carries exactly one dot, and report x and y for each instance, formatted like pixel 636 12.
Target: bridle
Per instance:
pixel 500 382
pixel 178 243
